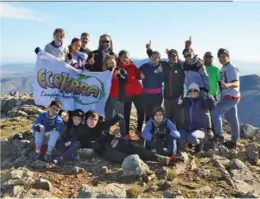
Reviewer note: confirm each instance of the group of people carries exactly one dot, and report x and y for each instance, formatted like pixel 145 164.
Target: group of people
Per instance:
pixel 193 108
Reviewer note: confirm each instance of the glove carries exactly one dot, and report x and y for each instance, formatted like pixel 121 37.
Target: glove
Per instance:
pixel 37 50
pixel 119 116
pixel 95 145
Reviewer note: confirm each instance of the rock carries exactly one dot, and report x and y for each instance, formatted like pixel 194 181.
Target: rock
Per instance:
pixel 17 191
pixel 134 166
pixel 162 173
pixel 152 188
pixel 164 184
pixel 26 181
pixel 172 194
pixel 252 153
pixel 249 195
pixel 202 172
pixel 248 131
pixel 87 191
pixel 38 193
pixel 244 179
pixel 43 184
pixel 181 167
pixel 104 170
pixel 221 150
pixel 193 165
pixel 77 170
pixel 86 153
pixel 113 190
pixel 17 174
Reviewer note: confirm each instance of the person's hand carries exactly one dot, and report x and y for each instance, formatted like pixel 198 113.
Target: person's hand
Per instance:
pixel 160 69
pixel 188 43
pixel 148 45
pixel 37 50
pixel 67 143
pixel 180 100
pixel 200 63
pixel 142 76
pixel 224 85
pixel 91 61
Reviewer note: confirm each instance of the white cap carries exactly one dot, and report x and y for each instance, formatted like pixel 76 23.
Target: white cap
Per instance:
pixel 194 86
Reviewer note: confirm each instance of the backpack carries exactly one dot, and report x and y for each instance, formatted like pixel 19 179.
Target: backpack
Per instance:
pixel 161 130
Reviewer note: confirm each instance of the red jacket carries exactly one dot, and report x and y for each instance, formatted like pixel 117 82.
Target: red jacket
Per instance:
pixel 118 87
pixel 133 86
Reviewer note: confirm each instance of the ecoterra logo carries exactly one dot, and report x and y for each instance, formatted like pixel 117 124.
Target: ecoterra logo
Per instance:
pixel 84 89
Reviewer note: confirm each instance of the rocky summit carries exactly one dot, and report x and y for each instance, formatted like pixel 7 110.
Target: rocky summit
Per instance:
pixel 215 173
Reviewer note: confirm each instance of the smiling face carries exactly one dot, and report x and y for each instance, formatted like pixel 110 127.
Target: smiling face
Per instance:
pixel 124 58
pixel 85 40
pixel 111 63
pixel 223 59
pixel 76 46
pixel 105 42
pixel 59 36
pixel 193 93
pixel 188 56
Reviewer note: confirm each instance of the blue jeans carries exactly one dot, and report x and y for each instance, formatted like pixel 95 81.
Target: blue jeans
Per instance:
pixel 227 107
pixel 51 138
pixel 193 137
pixel 68 151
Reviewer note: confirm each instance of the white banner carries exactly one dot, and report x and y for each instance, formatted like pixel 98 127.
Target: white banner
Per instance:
pixel 54 79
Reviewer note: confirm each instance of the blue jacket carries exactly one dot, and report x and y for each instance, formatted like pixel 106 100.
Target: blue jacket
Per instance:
pixel 195 112
pixel 196 74
pixel 148 129
pixel 153 78
pixel 49 123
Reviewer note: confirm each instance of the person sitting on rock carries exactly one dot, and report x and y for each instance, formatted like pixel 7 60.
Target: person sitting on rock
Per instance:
pixel 70 142
pixel 159 133
pixel 48 125
pixel 194 127
pixel 113 147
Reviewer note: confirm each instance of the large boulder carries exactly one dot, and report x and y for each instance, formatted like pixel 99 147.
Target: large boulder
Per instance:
pixel 250 132
pixel 113 190
pixel 134 166
pixel 38 193
pixel 252 153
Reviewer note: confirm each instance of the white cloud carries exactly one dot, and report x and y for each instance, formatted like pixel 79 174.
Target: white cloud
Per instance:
pixel 13 11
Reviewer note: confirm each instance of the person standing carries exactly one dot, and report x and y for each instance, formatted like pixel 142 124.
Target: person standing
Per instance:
pixel 214 80
pixel 228 103
pixel 85 38
pixel 95 61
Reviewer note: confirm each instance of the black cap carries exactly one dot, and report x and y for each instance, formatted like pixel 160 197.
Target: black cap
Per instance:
pixel 208 54
pixel 173 52
pixel 78 113
pixel 190 50
pixel 223 51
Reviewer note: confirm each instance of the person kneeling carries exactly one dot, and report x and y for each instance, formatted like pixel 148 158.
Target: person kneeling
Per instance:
pixel 112 147
pixel 194 127
pixel 48 126
pixel 69 142
pixel 160 134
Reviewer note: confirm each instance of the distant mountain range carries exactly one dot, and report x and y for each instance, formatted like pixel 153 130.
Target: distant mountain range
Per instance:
pixel 19 77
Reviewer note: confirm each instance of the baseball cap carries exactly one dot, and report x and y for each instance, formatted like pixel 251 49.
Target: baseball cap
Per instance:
pixel 208 54
pixel 78 113
pixel 173 52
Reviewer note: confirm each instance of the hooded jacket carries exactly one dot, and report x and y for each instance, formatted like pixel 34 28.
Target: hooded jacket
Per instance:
pixel 195 112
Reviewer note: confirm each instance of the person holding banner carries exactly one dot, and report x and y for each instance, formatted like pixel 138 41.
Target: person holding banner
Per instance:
pixel 133 90
pixel 115 101
pixel 95 62
pixel 48 125
pixel 76 58
pixel 57 48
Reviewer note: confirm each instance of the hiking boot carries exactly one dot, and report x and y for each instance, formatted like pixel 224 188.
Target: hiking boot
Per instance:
pixel 47 157
pixel 230 145
pixel 58 160
pixel 163 160
pixel 198 147
pixel 74 157
pixel 36 156
pixel 217 138
pixel 210 134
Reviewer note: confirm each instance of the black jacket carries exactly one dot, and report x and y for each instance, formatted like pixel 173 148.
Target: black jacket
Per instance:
pixel 97 134
pixel 98 57
pixel 174 78
pixel 73 133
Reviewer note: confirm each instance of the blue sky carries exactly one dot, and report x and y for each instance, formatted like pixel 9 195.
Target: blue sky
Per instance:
pixel 235 26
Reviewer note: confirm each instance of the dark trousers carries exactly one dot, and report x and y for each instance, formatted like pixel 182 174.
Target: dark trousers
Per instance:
pixel 159 143
pixel 151 101
pixel 174 112
pixel 138 102
pixel 123 150
pixel 67 151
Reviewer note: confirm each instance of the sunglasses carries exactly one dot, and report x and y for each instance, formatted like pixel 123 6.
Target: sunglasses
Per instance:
pixel 193 91
pixel 105 41
pixel 189 55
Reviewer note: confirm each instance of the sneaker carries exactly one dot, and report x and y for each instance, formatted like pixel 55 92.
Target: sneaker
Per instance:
pixel 74 157
pixel 163 160
pixel 210 134
pixel 58 160
pixel 230 145
pixel 36 156
pixel 198 147
pixel 217 138
pixel 47 157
